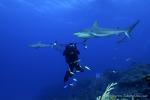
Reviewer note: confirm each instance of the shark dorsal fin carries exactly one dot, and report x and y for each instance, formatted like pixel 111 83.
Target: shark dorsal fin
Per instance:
pixel 96 23
pixel 95 26
pixel 86 30
pixel 39 42
pixel 118 28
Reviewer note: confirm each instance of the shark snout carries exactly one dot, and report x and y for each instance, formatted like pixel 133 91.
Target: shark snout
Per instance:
pixel 77 33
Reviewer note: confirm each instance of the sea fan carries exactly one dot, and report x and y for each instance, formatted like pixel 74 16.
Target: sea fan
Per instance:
pixel 106 94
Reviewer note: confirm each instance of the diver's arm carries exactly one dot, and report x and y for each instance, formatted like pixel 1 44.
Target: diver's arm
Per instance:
pixel 78 52
pixel 64 53
pixel 58 47
pixel 82 43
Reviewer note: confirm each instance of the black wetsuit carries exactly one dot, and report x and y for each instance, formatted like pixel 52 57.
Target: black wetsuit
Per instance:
pixel 71 55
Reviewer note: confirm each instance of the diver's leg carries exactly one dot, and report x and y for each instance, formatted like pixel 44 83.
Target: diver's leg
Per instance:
pixel 69 73
pixel 66 78
pixel 78 67
pixel 71 67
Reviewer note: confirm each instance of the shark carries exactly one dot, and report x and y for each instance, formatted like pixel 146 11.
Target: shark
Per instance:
pixel 39 45
pixel 96 31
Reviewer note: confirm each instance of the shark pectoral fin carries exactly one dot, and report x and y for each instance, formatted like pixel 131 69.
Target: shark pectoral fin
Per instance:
pixel 122 39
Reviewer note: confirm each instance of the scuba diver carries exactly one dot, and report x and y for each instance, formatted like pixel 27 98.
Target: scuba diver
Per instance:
pixel 71 53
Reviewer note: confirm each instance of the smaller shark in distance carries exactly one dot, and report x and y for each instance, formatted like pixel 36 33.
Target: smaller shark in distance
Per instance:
pixel 95 31
pixel 39 45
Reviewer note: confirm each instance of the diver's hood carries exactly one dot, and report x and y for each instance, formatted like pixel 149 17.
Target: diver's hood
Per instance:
pixel 71 46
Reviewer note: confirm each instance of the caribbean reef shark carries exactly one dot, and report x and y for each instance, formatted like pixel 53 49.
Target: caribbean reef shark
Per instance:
pixel 95 31
pixel 39 45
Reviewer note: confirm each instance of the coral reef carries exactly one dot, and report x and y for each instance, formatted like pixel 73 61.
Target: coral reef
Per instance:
pixel 132 84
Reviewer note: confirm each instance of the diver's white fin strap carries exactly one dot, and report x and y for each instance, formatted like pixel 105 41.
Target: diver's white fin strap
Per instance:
pixel 74 79
pixel 87 67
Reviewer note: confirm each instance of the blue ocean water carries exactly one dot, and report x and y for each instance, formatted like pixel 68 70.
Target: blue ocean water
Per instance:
pixel 26 72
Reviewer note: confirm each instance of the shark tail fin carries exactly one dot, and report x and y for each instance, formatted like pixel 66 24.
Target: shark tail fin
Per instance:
pixel 130 28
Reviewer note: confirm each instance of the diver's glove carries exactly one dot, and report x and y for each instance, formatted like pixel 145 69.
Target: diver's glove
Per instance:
pixel 85 46
pixel 53 45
